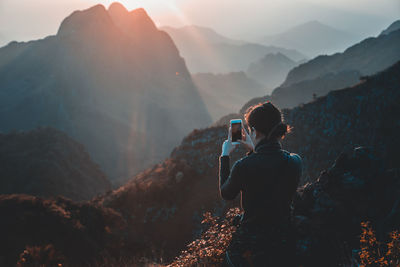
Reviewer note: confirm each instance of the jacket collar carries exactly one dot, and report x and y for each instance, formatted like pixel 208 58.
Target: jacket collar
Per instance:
pixel 267 145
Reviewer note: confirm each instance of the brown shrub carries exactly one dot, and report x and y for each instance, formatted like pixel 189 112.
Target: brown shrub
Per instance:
pixel 375 253
pixel 209 249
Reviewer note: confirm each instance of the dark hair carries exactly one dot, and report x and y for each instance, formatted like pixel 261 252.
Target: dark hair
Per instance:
pixel 267 119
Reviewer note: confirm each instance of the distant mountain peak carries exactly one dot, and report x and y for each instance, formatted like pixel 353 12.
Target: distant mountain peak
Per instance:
pixel 395 26
pixel 314 22
pixel 139 12
pixel 312 38
pixel 140 15
pixel 94 17
pixel 276 55
pixel 132 22
pixel 314 25
pixel 117 8
pixel 98 19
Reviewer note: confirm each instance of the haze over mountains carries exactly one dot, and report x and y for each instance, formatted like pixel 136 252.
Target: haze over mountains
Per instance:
pixel 368 56
pixel 206 51
pixel 272 69
pixel 111 80
pixel 312 38
pixel 192 34
pixel 323 74
pixel 226 93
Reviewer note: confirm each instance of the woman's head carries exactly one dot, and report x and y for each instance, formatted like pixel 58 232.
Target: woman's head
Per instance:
pixel 266 119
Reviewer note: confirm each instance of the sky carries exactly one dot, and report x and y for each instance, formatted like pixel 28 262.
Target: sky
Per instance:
pixel 24 20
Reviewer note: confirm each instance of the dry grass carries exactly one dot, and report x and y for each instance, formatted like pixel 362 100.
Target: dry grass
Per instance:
pixel 209 249
pixel 375 253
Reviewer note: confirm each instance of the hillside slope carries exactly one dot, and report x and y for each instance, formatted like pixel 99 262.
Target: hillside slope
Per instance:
pixel 54 232
pixel 46 162
pixel 305 91
pixel 184 186
pixel 367 57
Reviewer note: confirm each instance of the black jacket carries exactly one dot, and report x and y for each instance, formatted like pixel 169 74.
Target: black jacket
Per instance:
pixel 267 179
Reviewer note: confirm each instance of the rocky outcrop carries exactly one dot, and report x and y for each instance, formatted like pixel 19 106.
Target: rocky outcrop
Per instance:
pixel 46 162
pixel 328 212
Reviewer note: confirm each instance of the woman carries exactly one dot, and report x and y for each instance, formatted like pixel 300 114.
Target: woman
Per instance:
pixel 267 178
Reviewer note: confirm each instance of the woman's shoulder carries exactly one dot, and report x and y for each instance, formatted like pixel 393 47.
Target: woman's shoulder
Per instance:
pixel 294 161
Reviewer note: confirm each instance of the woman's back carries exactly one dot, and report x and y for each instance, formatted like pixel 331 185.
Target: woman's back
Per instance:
pixel 273 176
pixel 268 180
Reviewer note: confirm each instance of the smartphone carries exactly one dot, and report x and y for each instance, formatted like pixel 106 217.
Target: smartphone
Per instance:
pixel 236 126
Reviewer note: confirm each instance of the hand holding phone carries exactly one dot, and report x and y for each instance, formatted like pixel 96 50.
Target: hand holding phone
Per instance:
pixel 236 126
pixel 228 146
pixel 248 142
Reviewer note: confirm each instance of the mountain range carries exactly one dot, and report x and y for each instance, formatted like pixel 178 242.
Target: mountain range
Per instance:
pixel 206 51
pixel 313 38
pixel 323 74
pixel 368 57
pixel 109 79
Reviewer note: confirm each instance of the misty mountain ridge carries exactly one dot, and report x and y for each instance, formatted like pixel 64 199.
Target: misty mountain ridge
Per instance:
pixel 323 74
pixel 190 33
pixel 395 26
pixel 271 70
pixel 368 57
pixel 111 80
pixel 206 51
pixel 312 38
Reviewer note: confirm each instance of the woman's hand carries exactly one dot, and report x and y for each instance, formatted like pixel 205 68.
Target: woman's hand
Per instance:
pixel 247 142
pixel 227 146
